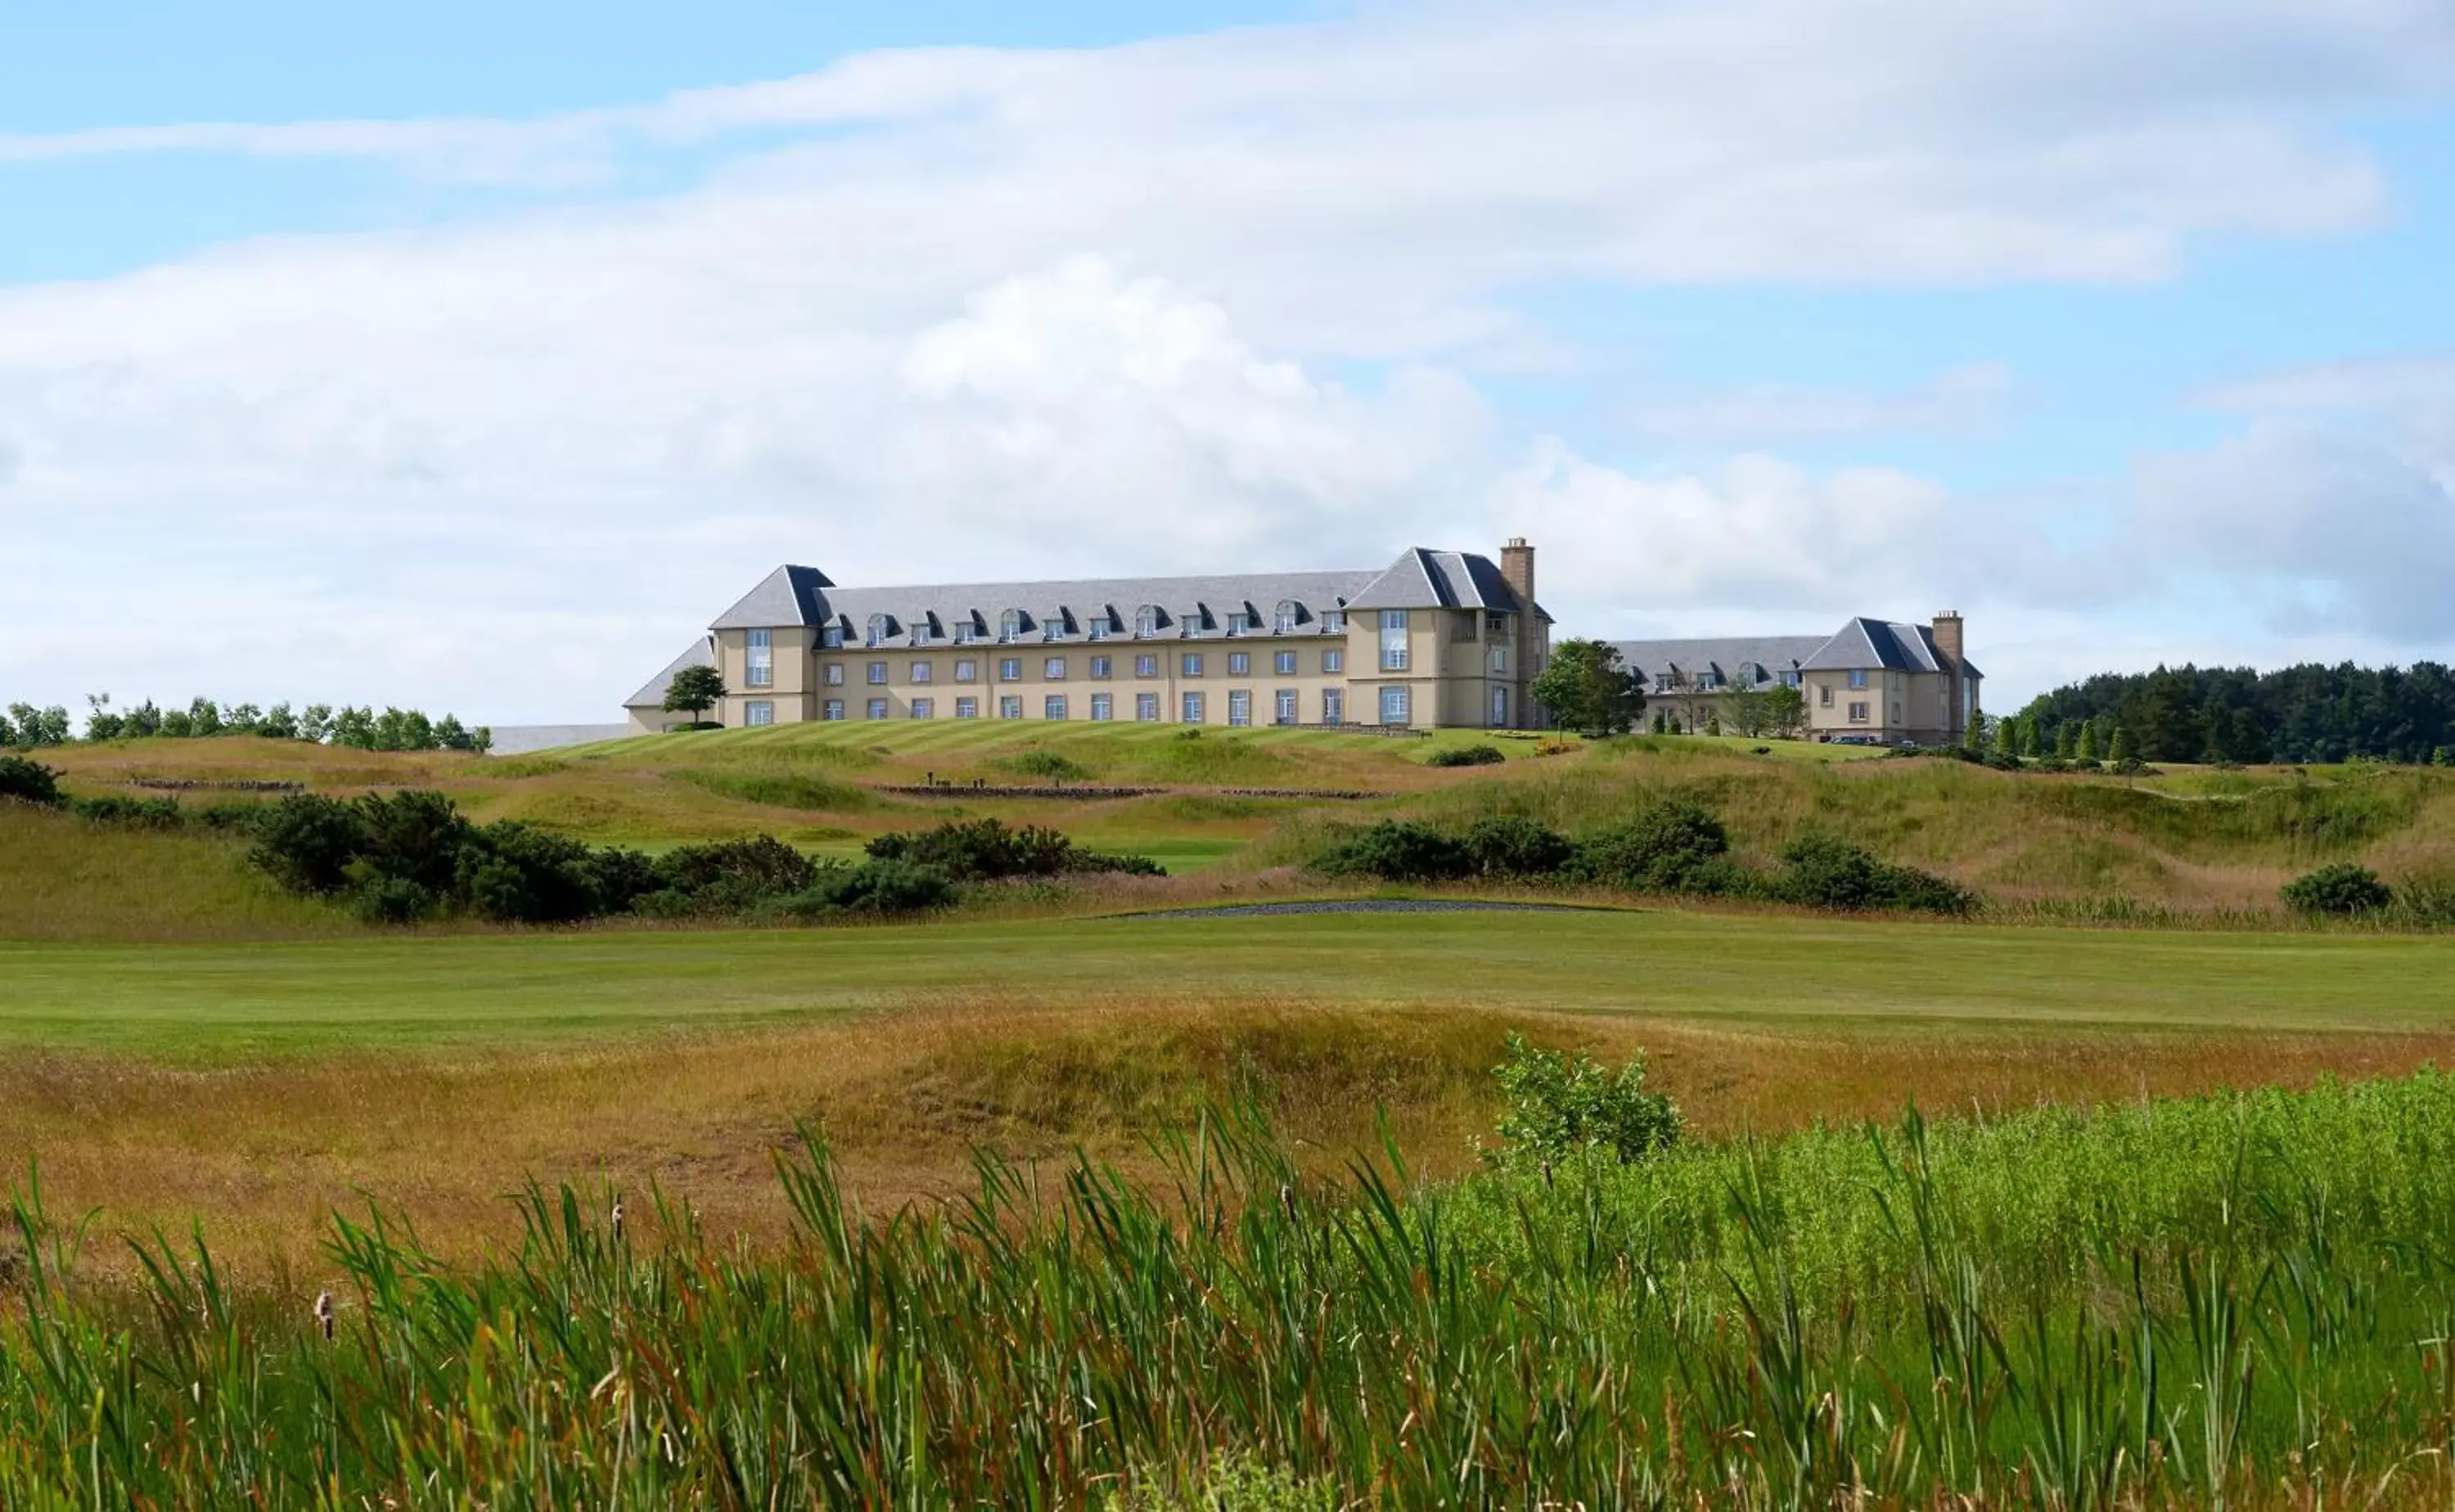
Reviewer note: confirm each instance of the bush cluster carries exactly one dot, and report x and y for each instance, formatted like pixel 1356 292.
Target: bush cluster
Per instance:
pixel 26 727
pixel 988 850
pixel 1675 846
pixel 1562 1108
pixel 414 856
pixel 360 729
pixel 2344 888
pixel 28 782
pixel 1467 756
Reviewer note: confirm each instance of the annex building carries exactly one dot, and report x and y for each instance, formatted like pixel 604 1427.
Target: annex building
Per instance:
pixel 1873 681
pixel 1435 638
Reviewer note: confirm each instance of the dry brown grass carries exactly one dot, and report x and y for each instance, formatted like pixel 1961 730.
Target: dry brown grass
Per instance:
pixel 261 1153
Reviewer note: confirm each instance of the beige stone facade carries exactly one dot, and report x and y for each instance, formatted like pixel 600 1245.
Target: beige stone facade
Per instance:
pixel 1437 639
pixel 1875 682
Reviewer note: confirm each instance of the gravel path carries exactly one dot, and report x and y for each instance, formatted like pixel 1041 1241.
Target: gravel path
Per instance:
pixel 1366 905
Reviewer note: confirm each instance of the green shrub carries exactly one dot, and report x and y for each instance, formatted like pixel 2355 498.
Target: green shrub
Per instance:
pixel 516 873
pixel 2341 888
pixel 1676 846
pixel 1560 1108
pixel 1467 756
pixel 988 850
pixel 1397 850
pixel 733 875
pixel 1037 763
pixel 1823 872
pixel 873 887
pixel 1510 845
pixel 28 782
pixel 417 835
pixel 308 842
pixel 393 900
pixel 135 814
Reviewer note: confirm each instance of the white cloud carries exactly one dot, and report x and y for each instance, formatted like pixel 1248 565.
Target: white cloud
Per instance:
pixel 1211 301
pixel 1961 400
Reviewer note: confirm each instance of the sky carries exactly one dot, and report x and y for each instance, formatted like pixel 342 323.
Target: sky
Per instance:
pixel 472 357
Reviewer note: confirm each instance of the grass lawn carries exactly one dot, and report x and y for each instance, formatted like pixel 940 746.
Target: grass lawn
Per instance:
pixel 212 1002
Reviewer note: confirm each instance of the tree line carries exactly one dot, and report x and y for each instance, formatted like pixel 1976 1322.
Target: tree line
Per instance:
pixel 2303 713
pixel 362 729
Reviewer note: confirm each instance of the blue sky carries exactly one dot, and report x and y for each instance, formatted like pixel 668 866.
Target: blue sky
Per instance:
pixel 474 355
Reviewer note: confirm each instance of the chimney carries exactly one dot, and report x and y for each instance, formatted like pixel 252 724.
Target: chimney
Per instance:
pixel 1517 567
pixel 1947 645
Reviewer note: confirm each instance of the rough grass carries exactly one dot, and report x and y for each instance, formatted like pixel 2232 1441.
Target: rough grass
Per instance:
pixel 62 879
pixel 261 1149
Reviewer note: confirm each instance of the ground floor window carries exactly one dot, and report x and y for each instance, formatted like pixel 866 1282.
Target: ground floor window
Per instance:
pixel 1146 706
pixel 1009 708
pixel 878 708
pixel 967 708
pixel 1393 705
pixel 759 711
pixel 1858 713
pixel 1193 708
pixel 1333 706
pixel 1500 708
pixel 1053 707
pixel 1102 707
pixel 925 708
pixel 1239 708
pixel 1284 711
pixel 832 709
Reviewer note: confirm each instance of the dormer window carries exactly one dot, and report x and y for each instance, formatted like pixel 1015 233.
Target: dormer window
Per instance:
pixel 966 631
pixel 832 638
pixel 1334 623
pixel 1010 626
pixel 1145 622
pixel 1239 622
pixel 879 625
pixel 1284 622
pixel 1101 620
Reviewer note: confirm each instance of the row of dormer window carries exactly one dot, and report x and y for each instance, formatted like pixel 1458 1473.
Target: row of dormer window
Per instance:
pixel 1015 625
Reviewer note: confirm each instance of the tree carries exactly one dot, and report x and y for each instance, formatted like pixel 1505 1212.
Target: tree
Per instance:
pixel 2088 741
pixel 1972 733
pixel 2122 751
pixel 1785 710
pixel 695 690
pixel 1744 709
pixel 2066 746
pixel 1585 688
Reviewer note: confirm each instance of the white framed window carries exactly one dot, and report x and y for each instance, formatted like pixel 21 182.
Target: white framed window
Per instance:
pixel 1147 707
pixel 1145 622
pixel 878 673
pixel 1824 696
pixel 1240 664
pixel 1239 622
pixel 1333 706
pixel 1240 707
pixel 1857 677
pixel 967 708
pixel 1010 624
pixel 1192 665
pixel 759 711
pixel 878 630
pixel 1286 663
pixel 1193 708
pixel 924 670
pixel 833 674
pixel 759 671
pixel 1009 707
pixel 1393 641
pixel 1101 666
pixel 1010 669
pixel 1053 707
pixel 1500 661
pixel 832 638
pixel 1100 626
pixel 1053 669
pixel 1102 706
pixel 878 708
pixel 925 708
pixel 832 709
pixel 1393 704
pixel 1500 708
pixel 1496 626
pixel 1333 661
pixel 967 670
pixel 1284 710
pixel 1334 622
pixel 1146 666
pixel 1858 712
pixel 1284 622
pixel 966 631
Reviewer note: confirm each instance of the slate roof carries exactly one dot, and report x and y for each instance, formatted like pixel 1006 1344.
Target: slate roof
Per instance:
pixel 1868 644
pixel 1189 607
pixel 1715 663
pixel 652 695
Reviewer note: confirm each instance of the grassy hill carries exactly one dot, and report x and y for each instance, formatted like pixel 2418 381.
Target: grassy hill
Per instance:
pixel 2186 844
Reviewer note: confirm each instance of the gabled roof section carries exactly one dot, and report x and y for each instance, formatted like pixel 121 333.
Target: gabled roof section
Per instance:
pixel 652 695
pixel 1866 644
pixel 788 595
pixel 1678 663
pixel 1424 578
pixel 1188 607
